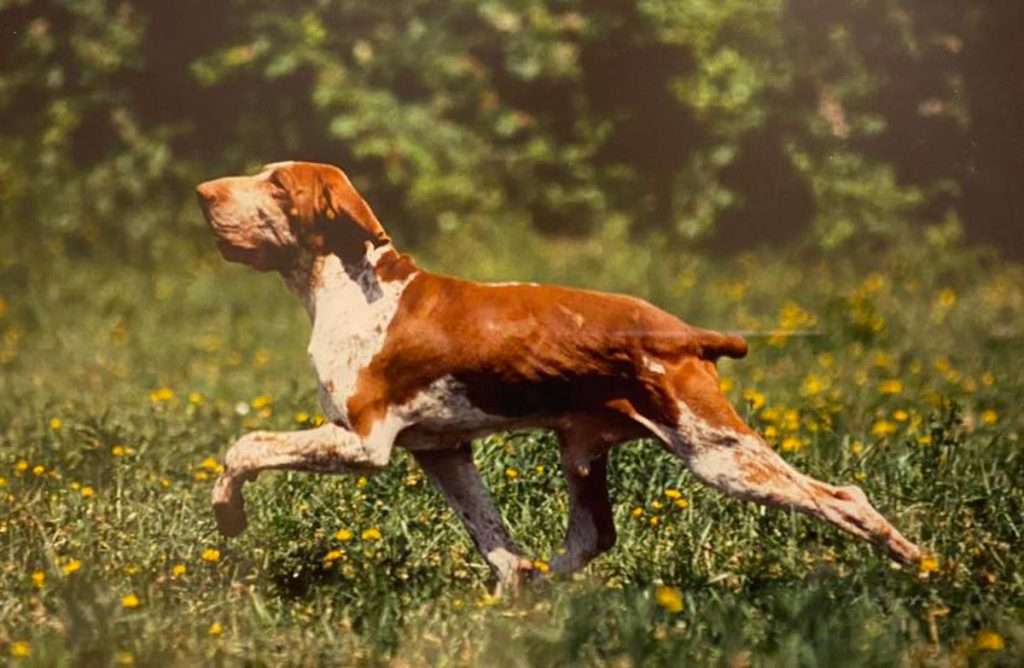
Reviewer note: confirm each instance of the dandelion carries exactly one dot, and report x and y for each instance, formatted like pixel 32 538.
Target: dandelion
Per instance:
pixel 210 555
pixel 793 444
pixel 118 451
pixel 673 494
pixel 131 569
pixel 928 565
pixel 511 473
pixel 333 556
pixel 669 598
pixel 755 399
pixel 131 601
pixel 900 415
pixel 211 464
pixel 72 566
pixel 177 570
pixel 654 521
pixel 540 469
pixel 21 466
pixel 87 491
pixel 195 398
pixel 161 395
pixel 856 447
pixel 3 481
pixel 637 512
pixel 812 385
pixel 725 384
pixel 38 470
pixel 989 416
pixel 541 566
pixel 344 535
pixel 926 439
pixel 681 503
pixel 361 482
pixel 371 534
pixel 38 579
pixel 946 298
pixel 987 379
pixel 771 432
pixel 302 417
pixel 261 401
pixel 989 641
pixel 215 629
pixel 883 428
pixel 891 386
pixel 21 649
pixel 56 424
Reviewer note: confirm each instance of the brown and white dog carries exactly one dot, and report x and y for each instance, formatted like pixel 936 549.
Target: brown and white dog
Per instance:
pixel 408 358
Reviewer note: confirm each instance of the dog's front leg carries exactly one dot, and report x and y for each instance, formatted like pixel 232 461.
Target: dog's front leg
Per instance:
pixel 326 449
pixel 455 474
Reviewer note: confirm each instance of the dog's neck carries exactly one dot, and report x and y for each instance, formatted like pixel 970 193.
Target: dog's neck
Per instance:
pixel 329 279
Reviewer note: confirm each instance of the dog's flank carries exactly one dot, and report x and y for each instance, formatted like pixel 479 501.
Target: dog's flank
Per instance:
pixel 428 362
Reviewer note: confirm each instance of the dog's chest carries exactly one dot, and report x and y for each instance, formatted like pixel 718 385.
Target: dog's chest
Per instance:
pixel 350 325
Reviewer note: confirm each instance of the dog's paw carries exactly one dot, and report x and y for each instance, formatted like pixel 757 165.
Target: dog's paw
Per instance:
pixel 229 506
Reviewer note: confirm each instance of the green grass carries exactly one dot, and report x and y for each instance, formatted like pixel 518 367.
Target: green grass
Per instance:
pixel 912 388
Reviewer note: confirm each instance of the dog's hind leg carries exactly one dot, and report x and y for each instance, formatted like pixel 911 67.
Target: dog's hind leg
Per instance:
pixel 724 453
pixel 455 474
pixel 591 529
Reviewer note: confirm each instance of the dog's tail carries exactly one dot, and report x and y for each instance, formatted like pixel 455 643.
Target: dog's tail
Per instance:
pixel 711 345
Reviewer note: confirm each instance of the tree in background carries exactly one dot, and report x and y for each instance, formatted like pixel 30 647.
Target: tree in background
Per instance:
pixel 730 122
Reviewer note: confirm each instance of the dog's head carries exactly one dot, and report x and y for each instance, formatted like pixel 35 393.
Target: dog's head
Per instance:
pixel 289 210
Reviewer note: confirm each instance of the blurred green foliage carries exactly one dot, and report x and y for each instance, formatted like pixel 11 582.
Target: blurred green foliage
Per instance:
pixel 732 122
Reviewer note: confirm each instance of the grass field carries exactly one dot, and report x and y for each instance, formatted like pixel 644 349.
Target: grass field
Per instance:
pixel 120 387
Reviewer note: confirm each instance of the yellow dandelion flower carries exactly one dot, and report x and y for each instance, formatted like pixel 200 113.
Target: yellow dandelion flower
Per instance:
pixel 302 417
pixel 361 482
pixel 540 469
pixel 883 428
pixel 654 521
pixel 657 505
pixel 541 566
pixel 989 416
pixel 891 386
pixel 637 512
pixel 792 444
pixel 261 401
pixel 333 556
pixel 860 476
pixel 318 420
pixel 669 598
pixel 946 298
pixel 771 432
pixel 987 379
pixel 771 414
pixel 118 451
pixel 928 565
pixel 989 641
pixel 725 384
pixel 56 424
pixel 3 481
pixel 20 649
pixel 673 494
pixel 812 385
pixel 344 535
pixel 87 491
pixel 38 579
pixel 177 570
pixel 72 566
pixel 131 601
pixel 21 466
pixel 681 503
pixel 195 398
pixel 38 470
pixel 215 629
pixel 161 395
pixel 131 569
pixel 755 399
pixel 926 439
pixel 511 473
pixel 211 464
pixel 210 555
pixel 373 533
pixel 856 447
pixel 200 476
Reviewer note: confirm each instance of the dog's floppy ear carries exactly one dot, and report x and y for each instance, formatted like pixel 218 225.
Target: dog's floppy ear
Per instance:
pixel 331 212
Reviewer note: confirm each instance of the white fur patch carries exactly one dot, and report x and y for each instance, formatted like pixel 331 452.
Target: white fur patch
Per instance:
pixel 654 365
pixel 350 322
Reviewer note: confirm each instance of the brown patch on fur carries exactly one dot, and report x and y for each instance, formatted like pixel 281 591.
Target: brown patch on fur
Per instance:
pixel 520 352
